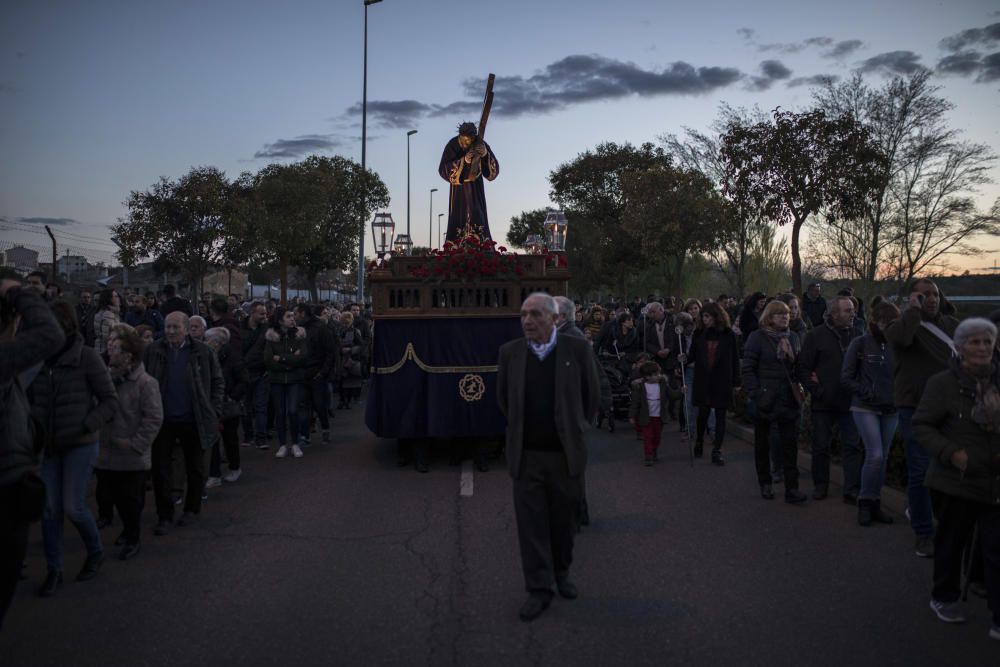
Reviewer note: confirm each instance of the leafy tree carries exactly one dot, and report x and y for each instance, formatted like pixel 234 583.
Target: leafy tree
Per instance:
pixel 923 211
pixel 798 164
pixel 590 189
pixel 183 222
pixel 673 213
pixel 524 225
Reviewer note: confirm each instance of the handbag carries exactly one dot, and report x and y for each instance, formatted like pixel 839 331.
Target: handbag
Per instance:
pixel 231 408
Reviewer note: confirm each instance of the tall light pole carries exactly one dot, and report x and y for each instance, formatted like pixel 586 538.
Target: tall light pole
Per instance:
pixel 430 221
pixel 439 229
pixel 364 141
pixel 408 135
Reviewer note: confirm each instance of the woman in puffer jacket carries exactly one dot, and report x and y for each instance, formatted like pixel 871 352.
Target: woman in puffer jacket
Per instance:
pixel 867 373
pixel 285 358
pixel 72 397
pixel 127 442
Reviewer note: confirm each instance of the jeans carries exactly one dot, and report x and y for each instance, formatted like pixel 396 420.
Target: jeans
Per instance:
pixel 917 461
pixel 66 476
pixel 876 434
pixel 704 417
pixel 823 423
pixel 255 415
pixel 285 399
pixel 315 398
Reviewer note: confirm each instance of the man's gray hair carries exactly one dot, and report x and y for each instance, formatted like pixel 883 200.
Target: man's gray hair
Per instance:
pixel 565 307
pixel 974 326
pixel 549 303
pixel 199 318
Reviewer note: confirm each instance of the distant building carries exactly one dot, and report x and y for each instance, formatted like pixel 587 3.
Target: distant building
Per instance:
pixel 20 257
pixel 67 265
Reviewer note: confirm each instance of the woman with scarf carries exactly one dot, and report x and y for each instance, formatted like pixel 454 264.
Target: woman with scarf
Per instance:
pixel 108 315
pixel 958 422
pixel 715 356
pixel 621 339
pixel 773 398
pixel 867 374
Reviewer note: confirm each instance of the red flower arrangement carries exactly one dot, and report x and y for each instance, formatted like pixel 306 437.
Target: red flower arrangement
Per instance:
pixel 469 259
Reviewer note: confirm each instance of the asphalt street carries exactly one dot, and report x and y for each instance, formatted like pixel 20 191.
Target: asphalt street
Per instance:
pixel 342 558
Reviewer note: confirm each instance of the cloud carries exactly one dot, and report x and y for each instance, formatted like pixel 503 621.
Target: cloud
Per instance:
pixel 844 48
pixel 893 62
pixel 774 69
pixel 299 146
pixel 49 221
pixel 987 36
pixel 747 33
pixel 967 63
pixel 815 80
pixel 795 47
pixel 398 114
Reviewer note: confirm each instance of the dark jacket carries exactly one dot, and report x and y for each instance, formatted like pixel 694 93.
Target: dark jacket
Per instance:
pixel 174 304
pixel 72 397
pixel 291 352
pixel 766 378
pixel 615 341
pixel 651 343
pixel 37 336
pixel 570 329
pixel 204 379
pixel 322 350
pixel 917 353
pixel 576 401
pixel 814 310
pixel 253 348
pixel 127 440
pixel 823 354
pixel 867 374
pixel 713 384
pixel 942 425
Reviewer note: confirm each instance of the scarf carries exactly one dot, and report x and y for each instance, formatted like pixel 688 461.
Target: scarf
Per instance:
pixel 782 342
pixel 986 404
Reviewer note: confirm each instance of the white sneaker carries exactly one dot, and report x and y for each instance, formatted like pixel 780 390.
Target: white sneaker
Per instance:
pixel 296 451
pixel 213 482
pixel 949 612
pixel 246 444
pixel 995 632
pixel 281 453
pixel 233 475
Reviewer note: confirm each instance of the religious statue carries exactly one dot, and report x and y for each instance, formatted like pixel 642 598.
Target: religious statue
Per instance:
pixel 465 162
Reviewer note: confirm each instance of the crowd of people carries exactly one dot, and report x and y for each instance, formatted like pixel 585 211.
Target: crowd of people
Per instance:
pixel 120 384
pixel 793 361
pixel 153 390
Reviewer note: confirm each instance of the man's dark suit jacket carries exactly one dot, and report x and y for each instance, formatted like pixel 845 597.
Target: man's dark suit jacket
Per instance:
pixel 578 395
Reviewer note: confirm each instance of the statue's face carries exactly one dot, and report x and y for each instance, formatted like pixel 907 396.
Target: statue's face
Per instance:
pixel 464 141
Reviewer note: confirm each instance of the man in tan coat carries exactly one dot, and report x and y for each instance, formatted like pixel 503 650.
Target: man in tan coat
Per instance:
pixel 548 389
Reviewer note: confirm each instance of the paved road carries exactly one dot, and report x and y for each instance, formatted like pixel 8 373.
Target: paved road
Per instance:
pixel 343 559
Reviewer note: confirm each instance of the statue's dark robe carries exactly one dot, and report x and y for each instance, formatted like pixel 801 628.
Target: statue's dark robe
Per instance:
pixel 467 197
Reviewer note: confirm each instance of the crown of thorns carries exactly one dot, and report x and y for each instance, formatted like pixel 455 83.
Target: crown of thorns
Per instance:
pixel 467 130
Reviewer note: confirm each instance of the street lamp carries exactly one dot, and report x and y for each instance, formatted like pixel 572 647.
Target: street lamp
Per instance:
pixel 403 244
pixel 555 231
pixel 430 220
pixel 534 243
pixel 440 215
pixel 383 227
pixel 408 135
pixel 364 142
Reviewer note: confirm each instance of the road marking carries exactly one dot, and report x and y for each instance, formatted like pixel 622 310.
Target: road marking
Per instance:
pixel 466 483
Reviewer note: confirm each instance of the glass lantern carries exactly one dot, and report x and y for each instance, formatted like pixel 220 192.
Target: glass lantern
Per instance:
pixel 555 231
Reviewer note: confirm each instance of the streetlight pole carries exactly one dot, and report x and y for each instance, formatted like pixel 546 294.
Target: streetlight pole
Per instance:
pixel 364 141
pixel 430 221
pixel 408 135
pixel 439 229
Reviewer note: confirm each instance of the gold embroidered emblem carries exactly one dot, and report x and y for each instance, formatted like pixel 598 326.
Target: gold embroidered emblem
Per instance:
pixel 471 387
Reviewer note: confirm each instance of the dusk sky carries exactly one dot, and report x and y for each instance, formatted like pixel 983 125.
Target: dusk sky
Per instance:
pixel 100 98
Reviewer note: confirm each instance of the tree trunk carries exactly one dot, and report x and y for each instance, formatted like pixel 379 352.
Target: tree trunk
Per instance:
pixel 796 259
pixel 313 290
pixel 284 282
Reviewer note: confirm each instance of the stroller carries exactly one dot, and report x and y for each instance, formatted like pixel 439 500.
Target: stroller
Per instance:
pixel 616 369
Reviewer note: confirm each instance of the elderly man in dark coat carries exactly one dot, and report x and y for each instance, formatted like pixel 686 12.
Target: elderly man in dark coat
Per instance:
pixel 192 387
pixel 548 389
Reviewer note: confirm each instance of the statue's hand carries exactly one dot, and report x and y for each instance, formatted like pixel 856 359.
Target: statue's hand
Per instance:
pixel 481 150
pixel 469 157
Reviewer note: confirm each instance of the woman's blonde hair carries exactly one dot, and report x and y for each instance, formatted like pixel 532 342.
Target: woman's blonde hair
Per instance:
pixel 770 310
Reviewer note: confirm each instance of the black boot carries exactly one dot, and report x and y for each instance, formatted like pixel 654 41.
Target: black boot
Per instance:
pixel 717 457
pixel 91 566
pixel 766 492
pixel 878 514
pixel 51 583
pixel 865 511
pixel 699 450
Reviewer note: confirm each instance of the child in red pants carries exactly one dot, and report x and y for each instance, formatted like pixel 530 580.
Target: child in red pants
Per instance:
pixel 649 396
